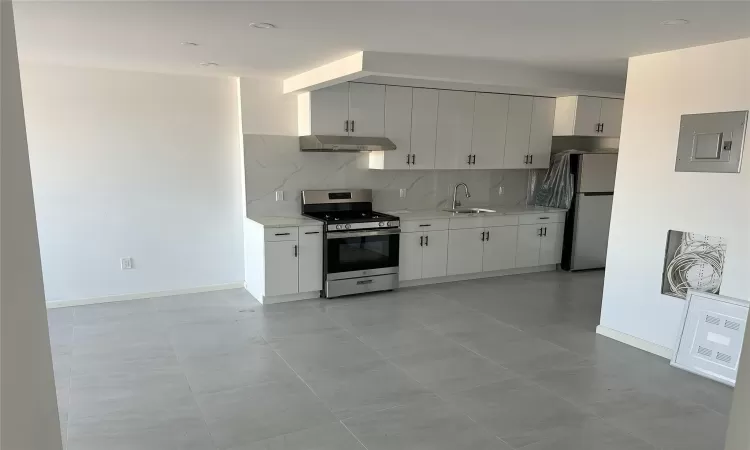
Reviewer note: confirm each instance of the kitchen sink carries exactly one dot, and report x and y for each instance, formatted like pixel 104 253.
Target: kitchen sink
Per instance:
pixel 470 210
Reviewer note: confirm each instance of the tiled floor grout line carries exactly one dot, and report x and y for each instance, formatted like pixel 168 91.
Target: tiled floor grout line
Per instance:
pixel 352 433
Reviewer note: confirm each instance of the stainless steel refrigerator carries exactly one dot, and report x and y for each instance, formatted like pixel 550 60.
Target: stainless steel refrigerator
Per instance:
pixel 587 223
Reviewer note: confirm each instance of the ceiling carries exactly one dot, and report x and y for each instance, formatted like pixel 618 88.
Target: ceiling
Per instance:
pixel 579 37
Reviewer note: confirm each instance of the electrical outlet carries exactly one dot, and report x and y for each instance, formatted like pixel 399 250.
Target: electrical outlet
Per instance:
pixel 126 263
pixel 402 193
pixel 279 196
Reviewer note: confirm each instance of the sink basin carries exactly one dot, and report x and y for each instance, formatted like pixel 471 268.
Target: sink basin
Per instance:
pixel 470 210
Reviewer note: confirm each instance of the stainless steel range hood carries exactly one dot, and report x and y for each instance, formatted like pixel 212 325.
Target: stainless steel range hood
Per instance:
pixel 325 143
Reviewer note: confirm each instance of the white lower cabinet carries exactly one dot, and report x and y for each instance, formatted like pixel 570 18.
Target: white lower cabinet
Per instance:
pixel 500 248
pixel 539 244
pixel 423 255
pixel 310 259
pixel 465 249
pixel 282 268
pixel 550 251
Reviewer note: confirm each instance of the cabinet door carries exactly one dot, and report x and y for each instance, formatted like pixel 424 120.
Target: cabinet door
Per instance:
pixel 366 109
pixel 551 244
pixel 410 256
pixel 398 126
pixel 588 112
pixel 519 129
pixel 490 122
pixel 540 140
pixel 500 249
pixel 282 267
pixel 435 254
pixel 310 259
pixel 454 128
pixel 329 110
pixel 529 242
pixel 424 116
pixel 465 251
pixel 611 117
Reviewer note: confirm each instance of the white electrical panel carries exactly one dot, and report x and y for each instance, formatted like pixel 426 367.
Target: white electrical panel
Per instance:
pixel 711 142
pixel 710 339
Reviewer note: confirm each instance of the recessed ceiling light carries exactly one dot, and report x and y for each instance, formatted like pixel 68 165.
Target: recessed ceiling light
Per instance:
pixel 190 44
pixel 209 64
pixel 263 25
pixel 676 22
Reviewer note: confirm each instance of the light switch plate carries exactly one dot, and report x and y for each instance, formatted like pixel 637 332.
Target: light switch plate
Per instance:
pixel 711 142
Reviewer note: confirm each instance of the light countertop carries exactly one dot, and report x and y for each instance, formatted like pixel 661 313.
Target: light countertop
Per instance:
pixel 296 220
pixel 500 211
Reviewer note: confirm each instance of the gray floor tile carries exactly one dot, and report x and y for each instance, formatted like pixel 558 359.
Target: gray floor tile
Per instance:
pixel 247 366
pixel 592 434
pixel 246 415
pixel 125 311
pixel 292 323
pixel 212 338
pixel 422 427
pixel 516 411
pixel 451 369
pixel 393 340
pixel 665 422
pixel 584 385
pixel 357 389
pixel 333 436
pixel 316 353
pixel 60 317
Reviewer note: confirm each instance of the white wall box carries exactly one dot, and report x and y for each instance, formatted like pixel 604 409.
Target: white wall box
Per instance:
pixel 709 342
pixel 283 264
pixel 711 142
pixel 454 130
pixel 581 115
pixel 346 109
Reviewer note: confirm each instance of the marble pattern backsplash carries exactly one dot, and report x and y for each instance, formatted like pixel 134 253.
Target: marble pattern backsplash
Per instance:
pixel 275 163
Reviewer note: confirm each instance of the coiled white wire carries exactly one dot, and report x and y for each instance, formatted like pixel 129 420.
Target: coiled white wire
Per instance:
pixel 696 255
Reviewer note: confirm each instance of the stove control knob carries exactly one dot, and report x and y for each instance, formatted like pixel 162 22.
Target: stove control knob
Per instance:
pixel 338 227
pixel 347 226
pixel 381 224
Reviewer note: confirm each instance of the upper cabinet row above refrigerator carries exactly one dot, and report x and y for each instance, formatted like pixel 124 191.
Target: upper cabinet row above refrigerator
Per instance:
pixel 588 116
pixel 347 109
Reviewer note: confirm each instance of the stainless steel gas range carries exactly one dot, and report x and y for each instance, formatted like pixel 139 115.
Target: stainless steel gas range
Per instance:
pixel 360 248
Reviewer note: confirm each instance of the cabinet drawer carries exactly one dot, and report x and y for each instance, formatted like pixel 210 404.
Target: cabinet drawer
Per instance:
pixel 500 221
pixel 530 219
pixel 460 223
pixel 412 226
pixel 281 234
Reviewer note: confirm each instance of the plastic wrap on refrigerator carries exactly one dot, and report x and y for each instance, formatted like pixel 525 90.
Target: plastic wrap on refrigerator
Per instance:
pixel 558 187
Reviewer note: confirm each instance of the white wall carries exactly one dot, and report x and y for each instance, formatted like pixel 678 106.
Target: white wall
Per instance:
pixel 265 109
pixel 650 198
pixel 28 406
pixel 134 165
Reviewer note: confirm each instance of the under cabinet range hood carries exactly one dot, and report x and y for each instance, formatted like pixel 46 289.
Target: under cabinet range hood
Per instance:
pixel 327 143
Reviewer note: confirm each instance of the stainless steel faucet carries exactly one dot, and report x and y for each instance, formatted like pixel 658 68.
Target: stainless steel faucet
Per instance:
pixel 455 192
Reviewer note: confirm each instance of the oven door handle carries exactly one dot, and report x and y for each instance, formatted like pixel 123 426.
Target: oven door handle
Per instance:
pixel 351 234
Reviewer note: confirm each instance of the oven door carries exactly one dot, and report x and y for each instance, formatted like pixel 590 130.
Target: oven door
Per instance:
pixel 352 254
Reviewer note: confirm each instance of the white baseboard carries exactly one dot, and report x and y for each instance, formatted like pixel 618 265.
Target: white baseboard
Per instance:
pixel 270 300
pixel 142 295
pixel 476 276
pixel 633 341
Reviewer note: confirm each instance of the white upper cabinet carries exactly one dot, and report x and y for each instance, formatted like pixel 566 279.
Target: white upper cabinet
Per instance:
pixel 398 128
pixel 588 116
pixel 366 110
pixel 329 110
pixel 520 110
pixel 540 140
pixel 490 122
pixel 454 129
pixel 424 118
pixel 346 109
pixel 611 117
